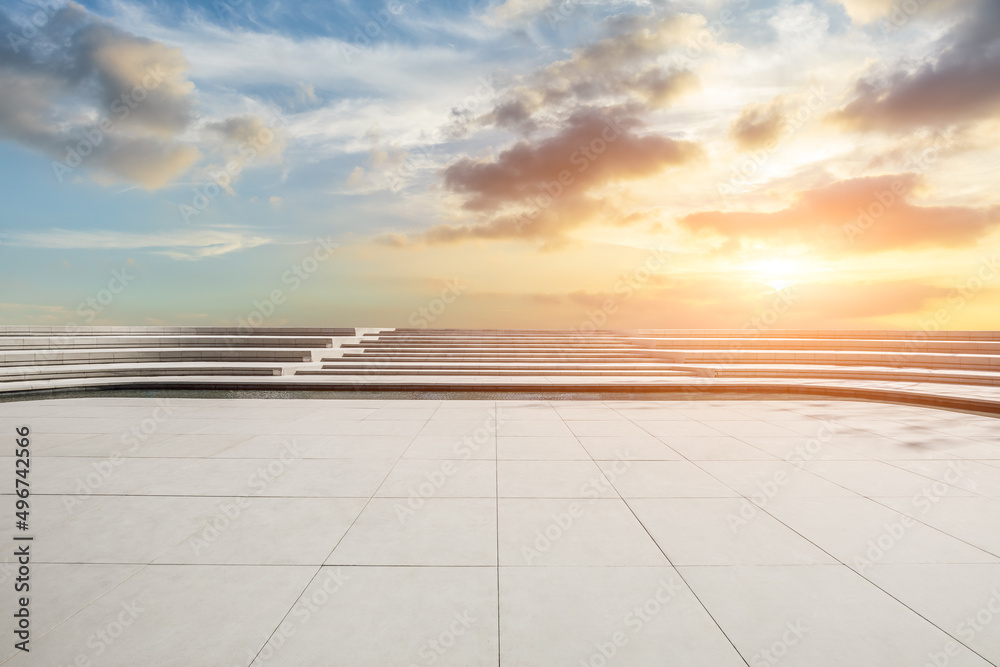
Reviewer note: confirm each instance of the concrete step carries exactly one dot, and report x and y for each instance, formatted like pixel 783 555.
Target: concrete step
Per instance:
pixel 454 365
pixel 846 358
pixel 513 345
pixel 863 373
pixel 92 371
pixel 488 354
pixel 153 341
pixel 819 344
pixel 498 372
pixel 98 356
pixel 36 330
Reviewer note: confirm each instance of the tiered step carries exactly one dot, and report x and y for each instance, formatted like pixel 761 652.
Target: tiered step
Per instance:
pixel 146 355
pixel 173 342
pixel 946 369
pixel 953 357
pixel 36 354
pixel 495 354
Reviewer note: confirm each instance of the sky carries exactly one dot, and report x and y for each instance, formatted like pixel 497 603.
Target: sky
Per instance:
pixel 762 164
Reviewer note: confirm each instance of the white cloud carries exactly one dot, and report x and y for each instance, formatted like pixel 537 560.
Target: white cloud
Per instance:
pixel 176 244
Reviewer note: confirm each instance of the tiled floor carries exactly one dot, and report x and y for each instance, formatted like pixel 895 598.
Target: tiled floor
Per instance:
pixel 527 533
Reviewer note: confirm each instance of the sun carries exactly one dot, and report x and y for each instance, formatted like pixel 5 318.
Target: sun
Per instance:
pixel 778 273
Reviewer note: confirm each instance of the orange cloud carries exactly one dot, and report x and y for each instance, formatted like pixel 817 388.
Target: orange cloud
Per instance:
pixel 860 215
pixel 758 125
pixel 546 182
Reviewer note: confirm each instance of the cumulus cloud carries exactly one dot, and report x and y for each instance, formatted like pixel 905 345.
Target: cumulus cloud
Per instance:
pixel 540 188
pixel 632 64
pixel 88 94
pixel 243 135
pixel 860 215
pixel 866 11
pixel 960 84
pixel 759 125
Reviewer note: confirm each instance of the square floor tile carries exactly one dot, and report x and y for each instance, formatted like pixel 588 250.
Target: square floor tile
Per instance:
pixel 574 616
pixel 392 616
pixel 722 531
pixel 268 531
pixel 552 479
pixel 436 531
pixel 329 478
pixel 539 447
pixel 547 532
pixel 663 479
pixel 816 616
pixel 440 478
pixel 645 447
pixel 221 615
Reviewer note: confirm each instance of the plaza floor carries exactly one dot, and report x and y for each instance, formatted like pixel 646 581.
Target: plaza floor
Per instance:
pixel 185 531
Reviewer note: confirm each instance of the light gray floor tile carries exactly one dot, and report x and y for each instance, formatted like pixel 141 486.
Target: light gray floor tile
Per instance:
pixel 160 616
pixel 638 448
pixel 627 616
pixel 434 531
pixel 351 616
pixel 816 616
pixel 663 479
pixel 268 531
pixel 547 532
pixel 552 479
pixel 537 447
pixel 440 478
pixel 722 531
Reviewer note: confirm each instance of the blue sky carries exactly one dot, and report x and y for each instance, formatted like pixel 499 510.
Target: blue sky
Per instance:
pixel 752 141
